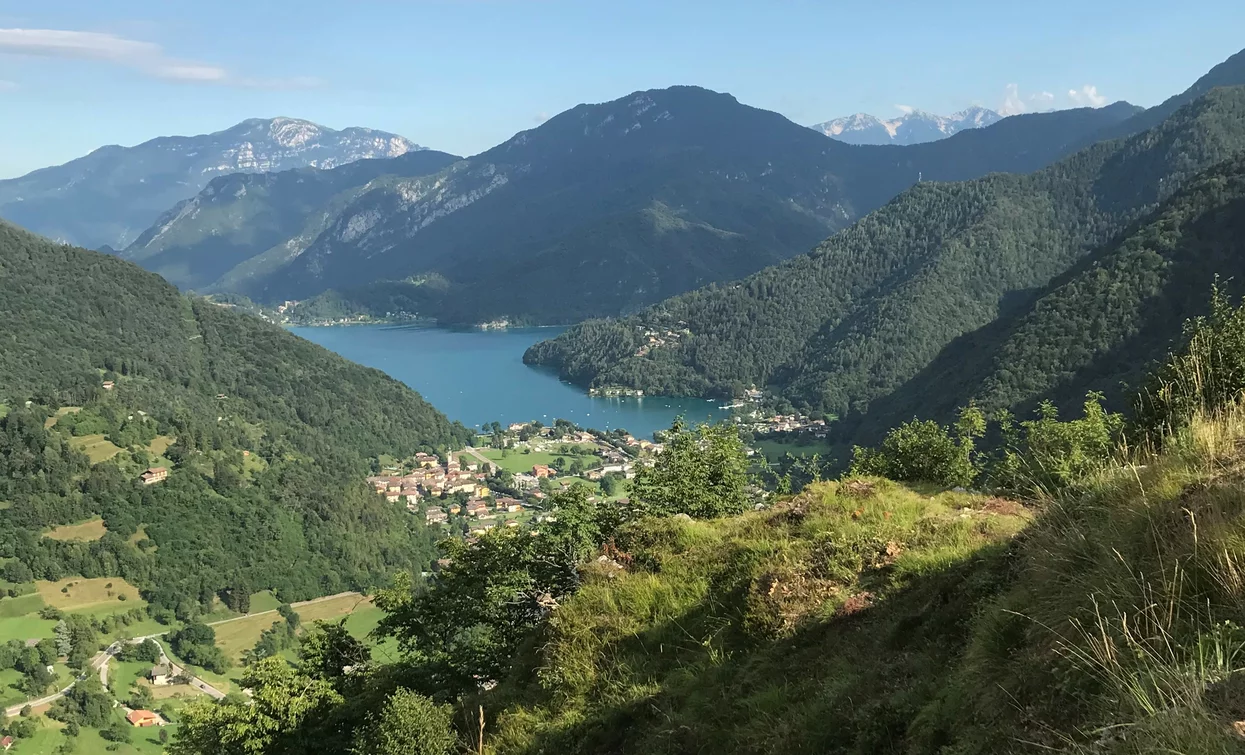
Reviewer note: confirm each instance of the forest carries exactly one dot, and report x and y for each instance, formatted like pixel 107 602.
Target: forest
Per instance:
pixel 269 438
pixel 840 328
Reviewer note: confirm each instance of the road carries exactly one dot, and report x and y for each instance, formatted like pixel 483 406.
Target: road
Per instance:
pixel 100 662
pixel 483 459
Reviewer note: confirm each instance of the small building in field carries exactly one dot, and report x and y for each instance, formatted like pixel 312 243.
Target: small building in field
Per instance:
pixel 159 676
pixel 143 718
pixel 540 471
pixel 6 743
pixel 154 475
pixel 109 385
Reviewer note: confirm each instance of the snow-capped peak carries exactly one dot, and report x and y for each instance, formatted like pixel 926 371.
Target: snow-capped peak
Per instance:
pixel 913 127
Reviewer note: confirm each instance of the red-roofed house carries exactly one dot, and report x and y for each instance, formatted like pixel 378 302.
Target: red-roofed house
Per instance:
pixel 143 718
pixel 154 475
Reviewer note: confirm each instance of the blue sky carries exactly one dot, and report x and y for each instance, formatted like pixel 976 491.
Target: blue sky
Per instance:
pixel 462 75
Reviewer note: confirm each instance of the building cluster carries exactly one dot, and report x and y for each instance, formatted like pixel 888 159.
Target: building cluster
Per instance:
pixel 791 423
pixel 431 479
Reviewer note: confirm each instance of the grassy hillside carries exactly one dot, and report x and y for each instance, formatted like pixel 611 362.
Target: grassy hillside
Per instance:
pixel 866 617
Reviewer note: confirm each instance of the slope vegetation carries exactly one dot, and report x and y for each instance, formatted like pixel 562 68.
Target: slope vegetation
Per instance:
pixel 273 437
pixel 876 303
pixel 865 617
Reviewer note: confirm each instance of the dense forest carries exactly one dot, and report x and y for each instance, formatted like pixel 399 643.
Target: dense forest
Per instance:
pixel 1099 325
pixel 268 437
pixel 851 322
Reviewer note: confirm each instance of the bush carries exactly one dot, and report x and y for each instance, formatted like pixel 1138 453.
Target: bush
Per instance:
pixel 924 451
pixel 1206 375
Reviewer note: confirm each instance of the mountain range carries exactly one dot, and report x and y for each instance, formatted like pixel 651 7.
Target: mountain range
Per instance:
pixel 879 304
pixel 625 202
pixel 913 127
pixel 107 198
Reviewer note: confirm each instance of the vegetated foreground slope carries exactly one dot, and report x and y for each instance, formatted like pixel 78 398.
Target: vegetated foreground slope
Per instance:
pixel 240 215
pixel 1099 325
pixel 865 617
pixel 622 203
pixel 873 305
pixel 272 436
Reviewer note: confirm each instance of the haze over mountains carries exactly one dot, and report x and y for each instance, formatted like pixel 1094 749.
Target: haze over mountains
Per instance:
pixel 913 127
pixel 107 198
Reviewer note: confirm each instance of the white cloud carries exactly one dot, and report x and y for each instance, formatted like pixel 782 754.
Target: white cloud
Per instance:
pixel 905 109
pixel 540 118
pixel 146 57
pixel 1087 96
pixel 7 86
pixel 1013 103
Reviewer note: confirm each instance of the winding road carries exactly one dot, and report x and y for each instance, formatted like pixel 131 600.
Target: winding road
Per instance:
pixel 100 662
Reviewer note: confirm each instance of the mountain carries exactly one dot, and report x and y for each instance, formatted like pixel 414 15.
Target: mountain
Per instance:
pixel 914 127
pixel 869 309
pixel 624 203
pixel 236 216
pixel 1099 325
pixel 109 196
pixel 268 438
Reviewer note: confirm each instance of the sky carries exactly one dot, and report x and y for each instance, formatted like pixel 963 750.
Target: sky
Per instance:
pixel 464 75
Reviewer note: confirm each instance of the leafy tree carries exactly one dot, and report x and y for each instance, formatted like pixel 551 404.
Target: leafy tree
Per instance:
pixel 283 716
pixel 703 473
pixel 409 724
pixel 326 650
pixel 924 451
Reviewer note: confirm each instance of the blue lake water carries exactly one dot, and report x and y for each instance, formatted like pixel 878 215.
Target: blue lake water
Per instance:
pixel 479 376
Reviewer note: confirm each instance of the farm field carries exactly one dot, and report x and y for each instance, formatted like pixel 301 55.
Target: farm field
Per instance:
pixel 50 422
pixel 96 447
pixel 332 608
pixel 236 636
pixel 89 593
pixel 83 532
pixel 160 445
pixel 27 627
pixel 516 462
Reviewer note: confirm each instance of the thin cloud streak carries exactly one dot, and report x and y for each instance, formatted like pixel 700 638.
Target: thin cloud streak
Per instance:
pixel 147 58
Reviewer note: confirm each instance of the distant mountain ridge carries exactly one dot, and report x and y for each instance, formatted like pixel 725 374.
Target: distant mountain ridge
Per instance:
pixel 107 198
pixel 873 306
pixel 915 127
pixel 624 202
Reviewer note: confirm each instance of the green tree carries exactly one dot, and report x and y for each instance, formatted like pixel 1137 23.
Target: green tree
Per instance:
pixel 409 724
pixel 283 716
pixel 703 473
pixel 924 451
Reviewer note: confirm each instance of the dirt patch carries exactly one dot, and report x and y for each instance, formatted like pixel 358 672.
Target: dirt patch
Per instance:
pixel 1004 507
pixel 856 604
pixel 778 601
pixel 857 489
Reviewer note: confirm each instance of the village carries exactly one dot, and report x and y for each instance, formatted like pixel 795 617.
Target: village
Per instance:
pixel 507 479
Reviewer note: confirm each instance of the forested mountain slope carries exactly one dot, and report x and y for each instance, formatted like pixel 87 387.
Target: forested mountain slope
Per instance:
pixel 240 215
pixel 1102 323
pixel 624 203
pixel 876 303
pixel 267 435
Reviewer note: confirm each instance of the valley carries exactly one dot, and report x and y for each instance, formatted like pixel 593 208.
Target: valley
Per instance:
pixel 657 424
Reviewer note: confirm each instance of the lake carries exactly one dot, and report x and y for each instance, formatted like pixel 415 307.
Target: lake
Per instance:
pixel 478 376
